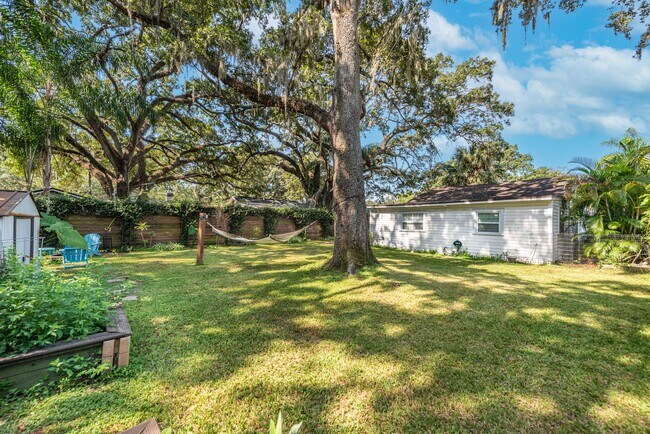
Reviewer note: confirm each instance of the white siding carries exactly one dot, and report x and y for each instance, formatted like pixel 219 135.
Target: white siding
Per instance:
pixel 6 231
pixel 557 211
pixel 527 230
pixel 25 209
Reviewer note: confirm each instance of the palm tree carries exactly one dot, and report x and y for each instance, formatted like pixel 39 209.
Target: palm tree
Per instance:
pixel 483 163
pixel 610 196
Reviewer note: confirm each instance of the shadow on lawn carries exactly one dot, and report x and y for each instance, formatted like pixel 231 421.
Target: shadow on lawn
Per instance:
pixel 463 346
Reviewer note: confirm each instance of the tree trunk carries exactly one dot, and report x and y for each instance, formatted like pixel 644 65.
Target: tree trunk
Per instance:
pixel 121 188
pixel 47 150
pixel 351 238
pixel 47 170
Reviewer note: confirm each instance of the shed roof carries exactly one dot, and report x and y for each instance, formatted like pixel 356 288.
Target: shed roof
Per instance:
pixel 9 199
pixel 56 191
pixel 528 189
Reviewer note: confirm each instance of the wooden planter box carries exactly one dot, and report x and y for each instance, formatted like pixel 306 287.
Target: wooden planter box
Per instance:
pixel 27 369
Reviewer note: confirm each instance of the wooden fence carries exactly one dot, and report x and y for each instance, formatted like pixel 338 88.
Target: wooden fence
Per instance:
pixel 167 229
pixel 571 247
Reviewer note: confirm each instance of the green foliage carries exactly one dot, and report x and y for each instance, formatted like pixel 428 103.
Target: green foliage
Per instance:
pixel 301 216
pixel 611 197
pixel 142 227
pixel 128 213
pixel 292 337
pixel 276 428
pixel 485 163
pixel 167 247
pixel 66 234
pixel 40 306
pixel 78 367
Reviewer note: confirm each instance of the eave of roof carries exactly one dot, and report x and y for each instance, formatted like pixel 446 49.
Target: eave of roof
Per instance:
pixel 547 198
pixel 12 200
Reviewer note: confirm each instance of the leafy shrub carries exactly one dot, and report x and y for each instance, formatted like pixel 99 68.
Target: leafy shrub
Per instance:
pixel 612 199
pixel 167 247
pixel 64 231
pixel 39 306
pixel 78 368
pixel 69 372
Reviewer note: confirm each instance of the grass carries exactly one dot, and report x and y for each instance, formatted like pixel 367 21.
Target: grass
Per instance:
pixel 421 343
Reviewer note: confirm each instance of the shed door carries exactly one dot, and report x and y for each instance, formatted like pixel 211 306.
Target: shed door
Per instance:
pixel 23 236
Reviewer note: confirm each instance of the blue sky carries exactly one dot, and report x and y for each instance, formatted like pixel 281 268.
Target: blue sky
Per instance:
pixel 574 83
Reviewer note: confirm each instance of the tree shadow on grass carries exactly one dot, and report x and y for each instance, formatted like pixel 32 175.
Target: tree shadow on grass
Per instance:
pixel 418 344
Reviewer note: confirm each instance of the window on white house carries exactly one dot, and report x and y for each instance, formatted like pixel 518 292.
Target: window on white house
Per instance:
pixel 489 222
pixel 413 221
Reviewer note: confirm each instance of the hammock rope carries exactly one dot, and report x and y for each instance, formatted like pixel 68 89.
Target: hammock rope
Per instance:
pixel 270 239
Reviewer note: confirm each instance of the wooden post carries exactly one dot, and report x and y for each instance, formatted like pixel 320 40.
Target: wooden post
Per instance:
pixel 123 351
pixel 108 352
pixel 200 238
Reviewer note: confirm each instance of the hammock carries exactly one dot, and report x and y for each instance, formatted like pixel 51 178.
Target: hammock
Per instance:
pixel 270 239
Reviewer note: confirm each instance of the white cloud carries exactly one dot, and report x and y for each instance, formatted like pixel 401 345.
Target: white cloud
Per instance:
pixel 564 90
pixel 581 89
pixel 446 37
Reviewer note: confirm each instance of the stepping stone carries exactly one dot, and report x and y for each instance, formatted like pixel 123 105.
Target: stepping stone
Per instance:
pixel 131 297
pixel 117 279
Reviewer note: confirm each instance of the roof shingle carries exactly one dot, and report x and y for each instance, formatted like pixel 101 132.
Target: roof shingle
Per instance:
pixel 529 189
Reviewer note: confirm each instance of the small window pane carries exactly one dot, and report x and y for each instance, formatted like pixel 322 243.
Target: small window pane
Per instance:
pixel 488 217
pixel 413 221
pixel 488 227
pixel 489 222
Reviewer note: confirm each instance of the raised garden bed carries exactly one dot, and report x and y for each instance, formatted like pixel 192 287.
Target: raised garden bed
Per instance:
pixel 27 369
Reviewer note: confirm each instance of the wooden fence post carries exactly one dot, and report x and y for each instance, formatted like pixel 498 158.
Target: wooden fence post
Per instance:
pixel 200 238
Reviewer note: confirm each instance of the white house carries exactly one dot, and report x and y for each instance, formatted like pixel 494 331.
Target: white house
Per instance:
pixel 19 223
pixel 520 219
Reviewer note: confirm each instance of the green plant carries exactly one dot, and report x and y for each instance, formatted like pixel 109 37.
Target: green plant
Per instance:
pixel 126 212
pixel 301 216
pixel 66 234
pixel 40 306
pixel 257 232
pixel 78 367
pixel 276 428
pixel 143 228
pixel 416 312
pixel 168 247
pixel 610 195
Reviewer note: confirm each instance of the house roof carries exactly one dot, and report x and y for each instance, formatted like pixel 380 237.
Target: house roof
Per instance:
pixel 9 199
pixel 40 191
pixel 514 190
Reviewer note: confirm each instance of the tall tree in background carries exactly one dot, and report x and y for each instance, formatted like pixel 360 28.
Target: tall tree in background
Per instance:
pixel 121 112
pixel 326 61
pixel 626 16
pixel 482 163
pixel 29 123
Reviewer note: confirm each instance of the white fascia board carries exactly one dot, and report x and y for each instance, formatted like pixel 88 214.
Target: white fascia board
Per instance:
pixel 442 205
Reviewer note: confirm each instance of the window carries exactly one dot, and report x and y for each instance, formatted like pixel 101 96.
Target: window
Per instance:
pixel 489 222
pixel 413 221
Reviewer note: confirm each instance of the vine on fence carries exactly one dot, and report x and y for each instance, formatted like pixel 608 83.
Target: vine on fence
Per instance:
pixel 301 216
pixel 126 211
pixel 129 213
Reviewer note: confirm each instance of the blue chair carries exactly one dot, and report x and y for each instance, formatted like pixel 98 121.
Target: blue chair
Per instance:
pixel 72 256
pixel 93 241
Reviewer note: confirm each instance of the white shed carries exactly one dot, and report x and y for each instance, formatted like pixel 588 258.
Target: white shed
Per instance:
pixel 520 219
pixel 19 223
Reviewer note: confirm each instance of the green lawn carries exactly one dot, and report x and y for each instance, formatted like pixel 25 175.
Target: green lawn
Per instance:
pixel 421 343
